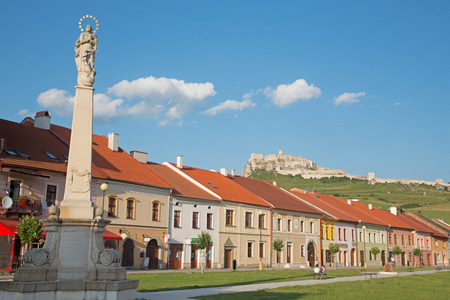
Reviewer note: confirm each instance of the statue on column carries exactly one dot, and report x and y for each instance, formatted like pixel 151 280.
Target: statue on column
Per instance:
pixel 85 48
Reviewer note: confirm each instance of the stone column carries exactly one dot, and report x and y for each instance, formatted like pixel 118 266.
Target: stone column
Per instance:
pixel 77 201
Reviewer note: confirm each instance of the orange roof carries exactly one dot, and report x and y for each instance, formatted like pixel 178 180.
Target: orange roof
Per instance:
pixel 181 186
pixel 117 165
pixel 274 195
pixel 222 186
pixel 416 225
pixel 383 215
pixel 324 205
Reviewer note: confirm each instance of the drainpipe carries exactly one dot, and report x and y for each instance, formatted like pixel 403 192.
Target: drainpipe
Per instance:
pixel 320 240
pixel 270 237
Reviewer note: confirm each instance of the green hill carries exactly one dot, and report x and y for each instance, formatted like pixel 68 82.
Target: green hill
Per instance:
pixel 427 199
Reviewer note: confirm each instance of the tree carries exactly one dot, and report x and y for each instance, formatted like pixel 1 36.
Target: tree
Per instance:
pixel 278 246
pixel 397 250
pixel 375 251
pixel 416 253
pixel 334 248
pixel 204 241
pixel 29 229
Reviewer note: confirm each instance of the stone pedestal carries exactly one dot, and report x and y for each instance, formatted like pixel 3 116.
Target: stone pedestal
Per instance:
pixel 73 264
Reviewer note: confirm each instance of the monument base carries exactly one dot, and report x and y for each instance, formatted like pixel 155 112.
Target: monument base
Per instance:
pixel 68 290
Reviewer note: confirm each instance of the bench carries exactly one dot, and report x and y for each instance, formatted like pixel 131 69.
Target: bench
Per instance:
pixel 371 274
pixel 410 269
pixel 438 268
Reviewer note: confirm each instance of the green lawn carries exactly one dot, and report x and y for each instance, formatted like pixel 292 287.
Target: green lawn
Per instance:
pixel 431 286
pixel 427 199
pixel 151 282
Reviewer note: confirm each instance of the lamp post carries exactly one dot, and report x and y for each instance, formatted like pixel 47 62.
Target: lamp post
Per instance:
pixel 103 187
pixel 413 239
pixel 364 233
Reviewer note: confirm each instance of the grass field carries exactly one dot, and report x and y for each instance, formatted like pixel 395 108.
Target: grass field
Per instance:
pixel 431 286
pixel 152 282
pixel 427 199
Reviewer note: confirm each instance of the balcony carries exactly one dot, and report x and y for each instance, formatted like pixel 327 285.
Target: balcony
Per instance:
pixel 18 209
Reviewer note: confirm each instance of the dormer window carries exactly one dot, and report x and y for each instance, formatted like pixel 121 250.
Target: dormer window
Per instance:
pixel 49 154
pixel 23 154
pixel 10 152
pixel 212 185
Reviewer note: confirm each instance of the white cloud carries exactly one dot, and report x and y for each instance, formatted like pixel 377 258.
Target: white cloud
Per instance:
pixel 286 94
pixel 229 105
pixel 397 103
pixel 58 101
pixel 164 99
pixel 348 98
pixel 25 112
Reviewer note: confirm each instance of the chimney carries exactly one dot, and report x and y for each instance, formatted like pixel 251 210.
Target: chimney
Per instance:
pixel 349 202
pixel 113 141
pixel 275 183
pixel 419 213
pixel 139 156
pixel 42 120
pixel 370 206
pixel 223 171
pixel 233 172
pixel 180 161
pixel 393 210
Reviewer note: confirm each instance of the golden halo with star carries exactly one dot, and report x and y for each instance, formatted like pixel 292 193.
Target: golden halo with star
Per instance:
pixel 95 27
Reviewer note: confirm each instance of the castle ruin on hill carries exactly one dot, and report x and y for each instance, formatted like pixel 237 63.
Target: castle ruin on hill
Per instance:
pixel 308 169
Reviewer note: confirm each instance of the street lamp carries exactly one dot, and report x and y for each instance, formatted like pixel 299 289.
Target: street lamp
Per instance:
pixel 103 187
pixel 413 239
pixel 364 233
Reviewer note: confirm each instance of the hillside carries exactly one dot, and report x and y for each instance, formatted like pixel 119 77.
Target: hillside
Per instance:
pixel 427 199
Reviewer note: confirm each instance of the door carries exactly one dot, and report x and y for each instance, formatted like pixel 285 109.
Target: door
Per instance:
pixel 194 256
pixel 288 253
pixel 128 253
pixel 352 257
pixel 344 261
pixel 383 258
pixel 311 256
pixel 152 254
pixel 208 258
pixel 175 257
pixel 227 262
pixel 361 254
pixel 403 259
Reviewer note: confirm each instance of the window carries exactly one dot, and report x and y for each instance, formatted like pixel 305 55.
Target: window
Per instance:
pixel 327 233
pixel 248 219
pixel 390 238
pixel 302 251
pixel 375 241
pixel 155 211
pixel 195 219
pixel 302 226
pixel 49 154
pixel 130 209
pixel 288 252
pixel 50 197
pixel 250 249
pixel 177 218
pixel 289 225
pixel 360 236
pixel 209 221
pixel 353 235
pixel 279 224
pixel 345 234
pixel 382 238
pixel 395 239
pixel 14 189
pixel 435 243
pixel 229 219
pixel 262 221
pixel 112 203
pixel 261 250
pixel 10 152
pixel 311 227
pixel 403 239
pixel 339 234
pixel 370 239
pixel 409 240
pixel 332 232
pixel 23 154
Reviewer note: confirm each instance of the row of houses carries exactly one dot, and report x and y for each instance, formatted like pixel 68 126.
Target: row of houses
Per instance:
pixel 158 210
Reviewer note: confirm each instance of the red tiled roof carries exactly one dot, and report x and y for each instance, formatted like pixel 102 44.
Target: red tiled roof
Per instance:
pixel 272 194
pixel 418 226
pixel 117 165
pixel 223 186
pixel 324 205
pixel 383 215
pixel 181 186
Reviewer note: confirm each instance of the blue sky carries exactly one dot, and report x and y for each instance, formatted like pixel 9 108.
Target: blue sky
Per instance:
pixel 356 85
